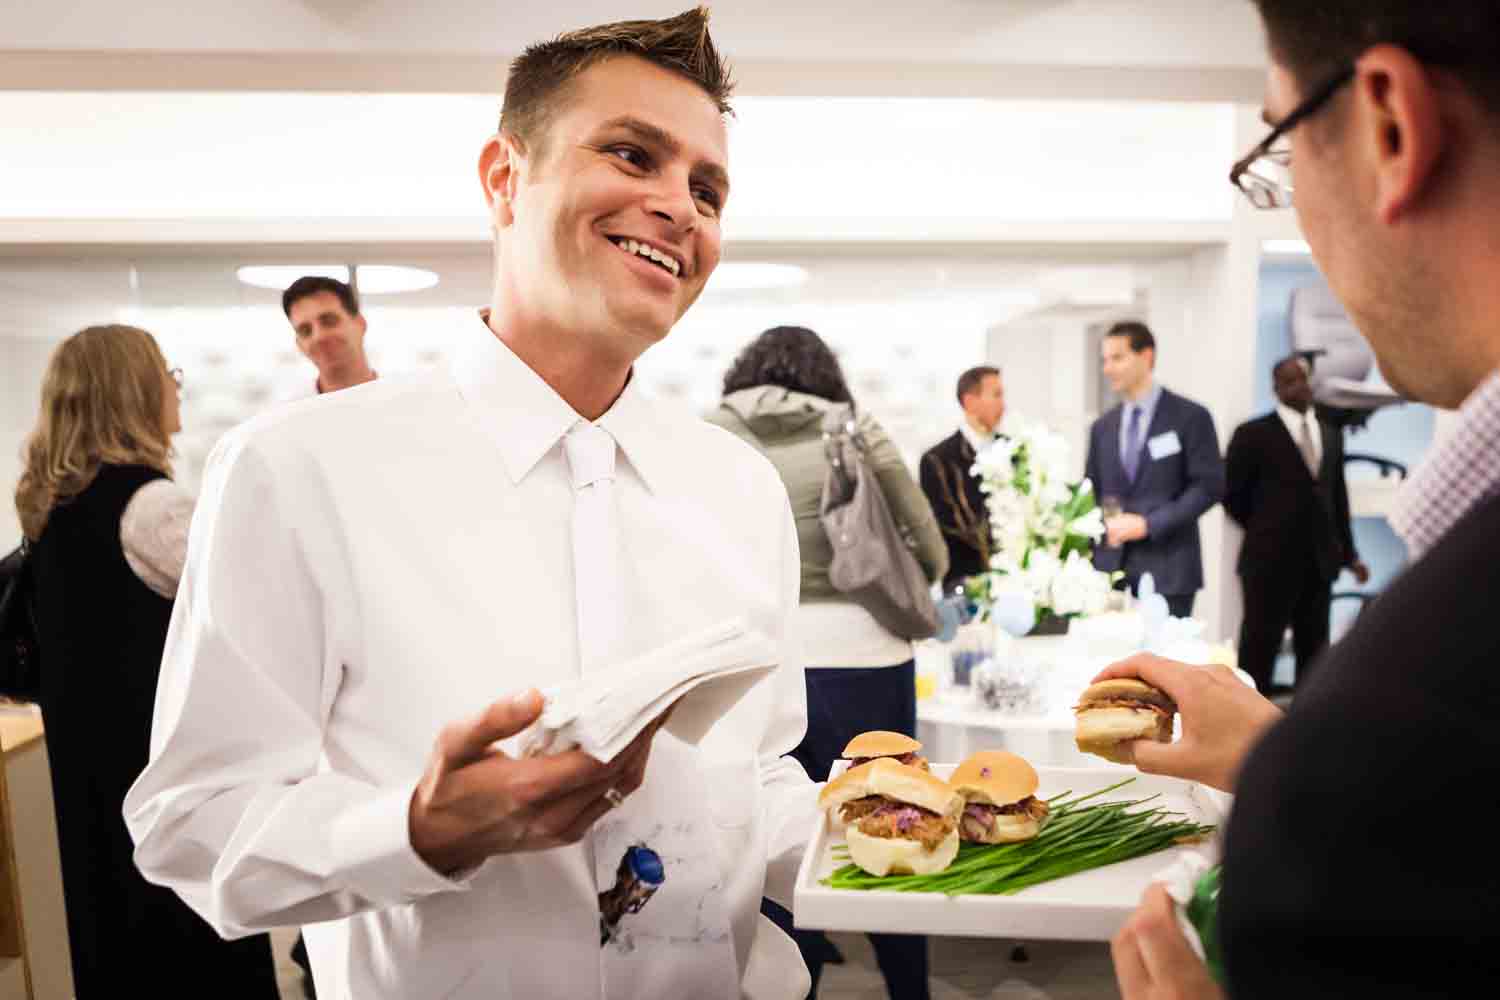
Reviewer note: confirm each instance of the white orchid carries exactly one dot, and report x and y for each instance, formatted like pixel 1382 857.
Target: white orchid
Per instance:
pixel 1039 522
pixel 1090 525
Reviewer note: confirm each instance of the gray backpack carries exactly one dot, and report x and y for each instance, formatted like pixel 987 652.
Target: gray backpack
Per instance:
pixel 873 562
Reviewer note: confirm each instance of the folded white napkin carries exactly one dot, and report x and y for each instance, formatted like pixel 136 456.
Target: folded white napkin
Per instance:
pixel 705 674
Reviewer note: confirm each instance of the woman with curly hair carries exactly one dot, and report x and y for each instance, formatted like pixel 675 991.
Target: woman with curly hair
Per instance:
pixel 107 530
pixel 859 676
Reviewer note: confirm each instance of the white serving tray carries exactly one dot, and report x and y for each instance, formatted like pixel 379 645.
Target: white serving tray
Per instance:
pixel 1090 906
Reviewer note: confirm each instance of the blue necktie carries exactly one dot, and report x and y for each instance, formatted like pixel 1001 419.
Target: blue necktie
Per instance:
pixel 1132 457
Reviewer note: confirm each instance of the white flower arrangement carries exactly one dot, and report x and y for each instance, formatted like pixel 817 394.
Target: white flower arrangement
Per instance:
pixel 1043 527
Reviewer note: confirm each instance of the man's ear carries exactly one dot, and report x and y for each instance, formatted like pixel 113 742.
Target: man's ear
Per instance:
pixel 1399 115
pixel 501 163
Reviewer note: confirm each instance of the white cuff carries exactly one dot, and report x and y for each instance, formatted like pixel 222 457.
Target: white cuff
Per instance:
pixel 373 840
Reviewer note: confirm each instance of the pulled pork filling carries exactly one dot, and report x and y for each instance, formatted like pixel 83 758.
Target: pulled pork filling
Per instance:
pixel 1125 703
pixel 979 817
pixel 910 759
pixel 878 816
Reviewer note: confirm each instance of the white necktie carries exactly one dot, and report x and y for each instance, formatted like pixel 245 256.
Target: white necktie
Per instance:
pixel 596 544
pixel 1309 450
pixel 677 929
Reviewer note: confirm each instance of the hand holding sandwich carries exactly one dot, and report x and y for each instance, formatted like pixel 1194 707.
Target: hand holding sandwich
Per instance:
pixel 1222 719
pixel 474 801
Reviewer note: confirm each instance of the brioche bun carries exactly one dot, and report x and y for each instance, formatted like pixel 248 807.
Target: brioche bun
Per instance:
pixel 1007 829
pixel 1126 689
pixel 893 780
pixel 897 855
pixel 880 743
pixel 995 778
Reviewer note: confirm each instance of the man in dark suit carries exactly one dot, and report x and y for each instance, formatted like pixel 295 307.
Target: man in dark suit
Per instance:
pixel 1154 462
pixel 951 488
pixel 1286 488
pixel 1358 860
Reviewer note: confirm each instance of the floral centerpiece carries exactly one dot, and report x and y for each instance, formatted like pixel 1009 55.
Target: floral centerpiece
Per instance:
pixel 1042 526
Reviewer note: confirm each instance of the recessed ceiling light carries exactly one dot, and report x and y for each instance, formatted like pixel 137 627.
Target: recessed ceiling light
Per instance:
pixel 278 276
pixel 741 275
pixel 370 279
pixel 383 279
pixel 1292 247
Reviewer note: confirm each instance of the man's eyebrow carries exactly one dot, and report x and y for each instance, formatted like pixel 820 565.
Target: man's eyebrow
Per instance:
pixel 658 136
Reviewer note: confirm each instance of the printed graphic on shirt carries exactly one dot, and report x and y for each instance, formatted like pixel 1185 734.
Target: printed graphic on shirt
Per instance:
pixel 636 880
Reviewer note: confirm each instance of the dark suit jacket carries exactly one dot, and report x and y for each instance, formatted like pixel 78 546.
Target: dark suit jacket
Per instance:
pixel 1172 492
pixel 1281 507
pixel 1360 857
pixel 955 498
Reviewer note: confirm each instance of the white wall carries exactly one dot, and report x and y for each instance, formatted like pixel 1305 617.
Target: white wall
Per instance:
pixel 21 364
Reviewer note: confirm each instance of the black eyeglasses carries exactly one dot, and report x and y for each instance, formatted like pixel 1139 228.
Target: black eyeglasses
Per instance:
pixel 176 374
pixel 1264 174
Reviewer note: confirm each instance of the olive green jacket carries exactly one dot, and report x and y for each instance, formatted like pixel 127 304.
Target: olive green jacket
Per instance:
pixel 787 427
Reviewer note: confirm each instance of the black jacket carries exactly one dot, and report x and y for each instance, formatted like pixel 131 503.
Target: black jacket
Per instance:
pixel 1281 507
pixel 101 632
pixel 1360 857
pixel 959 505
pixel 1172 492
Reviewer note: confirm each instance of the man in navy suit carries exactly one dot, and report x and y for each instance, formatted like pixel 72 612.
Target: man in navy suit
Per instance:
pixel 1154 462
pixel 1286 487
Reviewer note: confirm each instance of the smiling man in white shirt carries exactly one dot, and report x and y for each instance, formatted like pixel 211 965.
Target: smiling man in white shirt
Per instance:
pixel 376 578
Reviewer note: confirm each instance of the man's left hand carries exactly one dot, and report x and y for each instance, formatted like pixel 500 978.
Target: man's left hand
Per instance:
pixel 1124 528
pixel 1361 572
pixel 1153 960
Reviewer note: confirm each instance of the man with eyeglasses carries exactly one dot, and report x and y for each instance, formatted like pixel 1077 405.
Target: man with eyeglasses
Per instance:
pixel 1358 861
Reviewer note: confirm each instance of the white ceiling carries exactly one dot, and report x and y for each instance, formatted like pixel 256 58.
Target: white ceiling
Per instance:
pixel 1068 32
pixel 805 169
pixel 876 47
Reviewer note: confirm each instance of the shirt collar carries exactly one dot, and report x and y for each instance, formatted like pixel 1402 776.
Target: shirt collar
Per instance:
pixel 1459 473
pixel 1148 402
pixel 1291 417
pixel 526 418
pixel 976 440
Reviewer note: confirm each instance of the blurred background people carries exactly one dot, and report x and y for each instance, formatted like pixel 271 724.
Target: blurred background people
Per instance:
pixel 950 486
pixel 859 676
pixel 1154 462
pixel 1285 485
pixel 330 331
pixel 109 535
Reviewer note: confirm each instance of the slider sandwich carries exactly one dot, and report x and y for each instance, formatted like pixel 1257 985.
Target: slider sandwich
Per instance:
pixel 878 743
pixel 1000 803
pixel 1118 711
pixel 899 819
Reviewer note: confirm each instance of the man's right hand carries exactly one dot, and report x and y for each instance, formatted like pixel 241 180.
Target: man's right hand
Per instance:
pixel 474 801
pixel 1222 719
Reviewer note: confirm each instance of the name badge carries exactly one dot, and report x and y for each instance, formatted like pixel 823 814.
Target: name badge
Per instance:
pixel 1164 446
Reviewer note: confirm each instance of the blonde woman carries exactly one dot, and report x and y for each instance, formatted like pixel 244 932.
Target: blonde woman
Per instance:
pixel 108 534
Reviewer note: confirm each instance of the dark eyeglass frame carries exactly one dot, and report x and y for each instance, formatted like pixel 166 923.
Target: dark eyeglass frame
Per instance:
pixel 1263 192
pixel 176 374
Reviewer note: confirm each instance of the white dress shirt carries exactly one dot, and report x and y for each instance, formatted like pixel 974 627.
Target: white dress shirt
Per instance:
pixel 1299 423
pixel 976 440
pixel 369 566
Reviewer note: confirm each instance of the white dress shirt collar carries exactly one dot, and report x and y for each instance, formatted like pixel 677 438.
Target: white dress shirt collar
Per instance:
pixel 1295 421
pixel 526 418
pixel 977 441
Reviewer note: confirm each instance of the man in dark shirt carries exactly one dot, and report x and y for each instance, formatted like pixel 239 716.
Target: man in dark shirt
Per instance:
pixel 951 488
pixel 1358 861
pixel 1286 489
